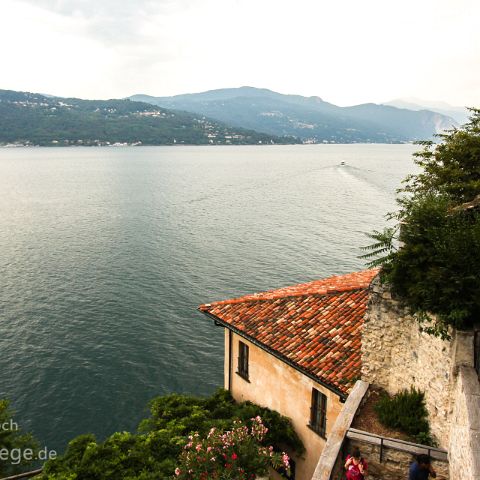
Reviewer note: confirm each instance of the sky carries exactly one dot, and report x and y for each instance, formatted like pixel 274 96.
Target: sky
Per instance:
pixel 345 51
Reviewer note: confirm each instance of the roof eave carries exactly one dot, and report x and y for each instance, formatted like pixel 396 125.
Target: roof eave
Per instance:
pixel 218 321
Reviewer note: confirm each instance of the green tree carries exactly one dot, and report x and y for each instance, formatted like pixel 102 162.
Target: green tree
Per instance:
pixel 431 257
pixel 15 446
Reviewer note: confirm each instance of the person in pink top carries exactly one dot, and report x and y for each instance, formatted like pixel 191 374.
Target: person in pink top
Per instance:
pixel 355 466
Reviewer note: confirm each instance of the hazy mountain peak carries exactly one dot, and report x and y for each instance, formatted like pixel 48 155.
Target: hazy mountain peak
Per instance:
pixel 459 114
pixel 426 103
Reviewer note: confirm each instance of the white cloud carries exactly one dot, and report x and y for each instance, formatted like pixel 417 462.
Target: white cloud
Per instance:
pixel 346 52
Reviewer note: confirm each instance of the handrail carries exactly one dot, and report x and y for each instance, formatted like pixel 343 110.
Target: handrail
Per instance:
pixel 24 475
pixel 397 440
pixel 397 444
pixel 476 350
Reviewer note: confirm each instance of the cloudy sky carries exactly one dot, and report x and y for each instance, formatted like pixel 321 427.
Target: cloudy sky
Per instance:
pixel 345 51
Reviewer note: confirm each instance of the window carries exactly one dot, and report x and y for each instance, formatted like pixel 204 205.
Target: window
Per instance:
pixel 243 360
pixel 318 413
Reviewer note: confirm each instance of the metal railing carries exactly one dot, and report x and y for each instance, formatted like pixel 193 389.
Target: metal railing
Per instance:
pixel 393 443
pixel 19 476
pixel 476 349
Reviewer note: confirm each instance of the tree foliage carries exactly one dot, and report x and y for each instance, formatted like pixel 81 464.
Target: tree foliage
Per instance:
pixel 13 442
pixel 153 452
pixel 186 414
pixel 435 270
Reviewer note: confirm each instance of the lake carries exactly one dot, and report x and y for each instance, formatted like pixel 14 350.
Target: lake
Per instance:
pixel 105 254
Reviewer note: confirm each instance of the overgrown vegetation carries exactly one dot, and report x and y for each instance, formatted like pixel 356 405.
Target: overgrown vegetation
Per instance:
pixel 438 227
pixel 14 443
pixel 406 411
pixel 153 453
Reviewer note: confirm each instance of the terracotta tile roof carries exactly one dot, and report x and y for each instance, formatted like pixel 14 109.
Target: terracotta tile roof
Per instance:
pixel 315 326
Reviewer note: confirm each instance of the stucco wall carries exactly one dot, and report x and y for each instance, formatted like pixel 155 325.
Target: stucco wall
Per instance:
pixel 396 355
pixel 274 384
pixel 330 464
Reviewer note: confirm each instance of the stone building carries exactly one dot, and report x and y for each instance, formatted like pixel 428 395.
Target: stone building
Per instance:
pixel 310 352
pixel 297 350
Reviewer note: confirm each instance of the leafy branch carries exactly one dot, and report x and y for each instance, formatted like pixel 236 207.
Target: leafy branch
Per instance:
pixel 435 271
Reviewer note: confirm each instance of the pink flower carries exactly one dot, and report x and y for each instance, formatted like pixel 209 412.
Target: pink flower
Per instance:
pixel 177 471
pixel 234 456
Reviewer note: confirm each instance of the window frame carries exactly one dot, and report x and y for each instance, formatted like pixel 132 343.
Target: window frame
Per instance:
pixel 243 360
pixel 318 413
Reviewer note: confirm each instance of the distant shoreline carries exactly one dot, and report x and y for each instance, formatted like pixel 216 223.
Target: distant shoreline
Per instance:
pixel 14 147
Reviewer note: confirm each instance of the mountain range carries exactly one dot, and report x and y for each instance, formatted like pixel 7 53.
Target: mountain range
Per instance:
pixel 35 119
pixel 309 118
pixel 244 115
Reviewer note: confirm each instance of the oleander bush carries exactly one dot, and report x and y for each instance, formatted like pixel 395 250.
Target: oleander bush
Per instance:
pixel 237 454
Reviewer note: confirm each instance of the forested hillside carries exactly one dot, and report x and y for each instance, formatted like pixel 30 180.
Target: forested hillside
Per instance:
pixel 34 119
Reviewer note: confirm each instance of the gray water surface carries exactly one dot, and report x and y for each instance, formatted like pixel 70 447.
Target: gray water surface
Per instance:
pixel 106 253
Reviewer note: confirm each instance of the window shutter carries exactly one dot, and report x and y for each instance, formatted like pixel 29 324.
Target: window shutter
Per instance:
pixel 318 412
pixel 243 359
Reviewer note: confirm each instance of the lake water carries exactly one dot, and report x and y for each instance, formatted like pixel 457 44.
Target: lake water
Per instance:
pixel 105 254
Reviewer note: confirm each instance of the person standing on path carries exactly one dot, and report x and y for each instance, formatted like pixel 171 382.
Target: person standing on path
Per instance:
pixel 421 469
pixel 355 466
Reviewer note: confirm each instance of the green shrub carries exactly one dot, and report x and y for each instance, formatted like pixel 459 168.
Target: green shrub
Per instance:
pixel 184 414
pixel 237 454
pixel 406 411
pixel 153 452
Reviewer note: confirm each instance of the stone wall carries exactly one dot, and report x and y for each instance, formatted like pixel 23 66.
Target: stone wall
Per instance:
pixel 394 464
pixel 396 355
pixel 465 431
